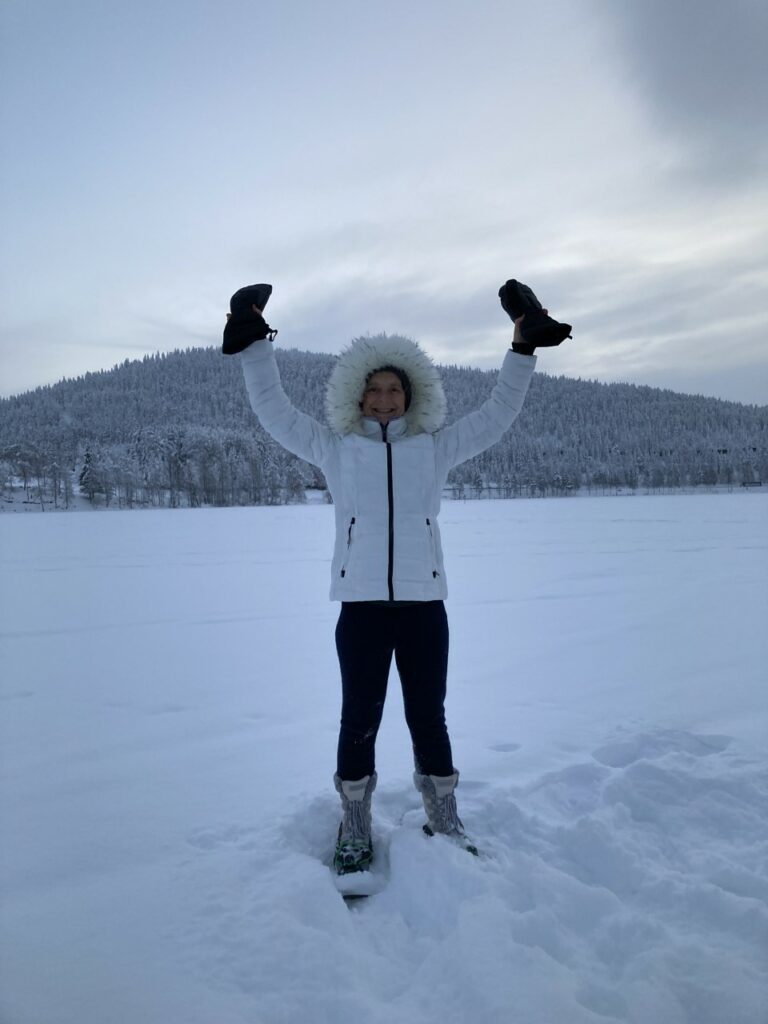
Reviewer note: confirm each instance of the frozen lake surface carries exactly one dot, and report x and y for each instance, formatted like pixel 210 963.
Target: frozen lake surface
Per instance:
pixel 169 702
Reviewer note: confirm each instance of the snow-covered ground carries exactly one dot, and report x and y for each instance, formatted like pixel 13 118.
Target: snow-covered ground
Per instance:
pixel 169 712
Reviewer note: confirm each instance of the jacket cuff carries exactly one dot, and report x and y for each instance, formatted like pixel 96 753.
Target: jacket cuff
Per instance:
pixel 256 351
pixel 518 357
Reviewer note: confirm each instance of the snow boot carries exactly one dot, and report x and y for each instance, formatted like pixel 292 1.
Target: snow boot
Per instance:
pixel 437 792
pixel 354 848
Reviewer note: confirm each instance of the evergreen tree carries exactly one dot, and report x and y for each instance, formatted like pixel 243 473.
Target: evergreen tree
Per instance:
pixel 177 430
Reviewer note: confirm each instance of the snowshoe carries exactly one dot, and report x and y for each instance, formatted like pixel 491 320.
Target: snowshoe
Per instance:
pixel 352 855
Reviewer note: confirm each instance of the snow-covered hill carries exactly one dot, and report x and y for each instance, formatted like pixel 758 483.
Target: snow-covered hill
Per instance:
pixel 178 430
pixel 169 710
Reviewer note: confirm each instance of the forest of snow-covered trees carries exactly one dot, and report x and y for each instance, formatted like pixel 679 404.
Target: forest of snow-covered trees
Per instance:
pixel 177 430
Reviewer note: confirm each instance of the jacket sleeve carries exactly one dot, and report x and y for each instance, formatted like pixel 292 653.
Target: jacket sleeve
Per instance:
pixel 474 433
pixel 293 429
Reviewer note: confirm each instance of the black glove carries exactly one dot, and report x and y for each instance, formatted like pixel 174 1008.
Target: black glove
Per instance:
pixel 245 325
pixel 538 329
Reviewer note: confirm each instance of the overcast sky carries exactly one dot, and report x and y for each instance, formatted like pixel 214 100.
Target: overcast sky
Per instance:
pixel 386 167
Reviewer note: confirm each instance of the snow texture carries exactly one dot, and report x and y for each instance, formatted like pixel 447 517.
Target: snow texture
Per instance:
pixel 169 712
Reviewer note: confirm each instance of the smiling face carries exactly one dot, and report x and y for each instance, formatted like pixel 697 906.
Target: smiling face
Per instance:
pixel 384 397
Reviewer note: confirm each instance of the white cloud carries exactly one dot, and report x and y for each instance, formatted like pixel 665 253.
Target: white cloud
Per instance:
pixel 389 177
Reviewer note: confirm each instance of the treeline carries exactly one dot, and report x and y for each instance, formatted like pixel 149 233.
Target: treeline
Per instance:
pixel 177 430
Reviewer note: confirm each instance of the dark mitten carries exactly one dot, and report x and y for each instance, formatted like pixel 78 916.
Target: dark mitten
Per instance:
pixel 245 325
pixel 538 329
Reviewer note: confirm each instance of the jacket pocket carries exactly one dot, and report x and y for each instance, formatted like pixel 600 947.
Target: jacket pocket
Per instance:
pixel 348 553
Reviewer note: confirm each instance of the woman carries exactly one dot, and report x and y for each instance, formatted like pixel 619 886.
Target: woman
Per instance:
pixel 386 455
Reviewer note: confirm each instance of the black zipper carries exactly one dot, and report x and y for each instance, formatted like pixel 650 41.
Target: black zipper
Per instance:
pixel 433 548
pixel 390 499
pixel 349 543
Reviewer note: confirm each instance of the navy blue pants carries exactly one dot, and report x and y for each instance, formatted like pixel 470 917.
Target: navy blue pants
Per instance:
pixel 367 635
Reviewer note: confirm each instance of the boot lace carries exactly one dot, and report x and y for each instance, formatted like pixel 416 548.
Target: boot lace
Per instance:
pixel 355 827
pixel 447 817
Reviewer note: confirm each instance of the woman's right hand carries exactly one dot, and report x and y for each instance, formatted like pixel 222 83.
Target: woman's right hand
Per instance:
pixel 518 337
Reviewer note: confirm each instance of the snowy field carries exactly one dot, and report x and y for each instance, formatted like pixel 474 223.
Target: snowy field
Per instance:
pixel 169 712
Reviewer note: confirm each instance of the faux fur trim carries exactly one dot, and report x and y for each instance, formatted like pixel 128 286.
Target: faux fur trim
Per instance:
pixel 428 407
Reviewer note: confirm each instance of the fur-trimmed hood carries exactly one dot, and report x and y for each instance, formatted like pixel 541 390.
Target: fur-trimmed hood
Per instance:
pixel 428 407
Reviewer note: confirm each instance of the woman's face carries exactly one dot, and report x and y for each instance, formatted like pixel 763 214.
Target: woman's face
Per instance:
pixel 384 398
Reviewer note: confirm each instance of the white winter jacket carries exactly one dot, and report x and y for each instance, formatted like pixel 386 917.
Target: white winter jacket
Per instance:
pixel 386 483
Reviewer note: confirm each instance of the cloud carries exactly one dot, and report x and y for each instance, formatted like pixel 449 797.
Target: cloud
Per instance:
pixel 701 69
pixel 607 154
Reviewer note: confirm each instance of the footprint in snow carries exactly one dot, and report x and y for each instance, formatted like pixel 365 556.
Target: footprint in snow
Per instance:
pixel 653 745
pixel 241 836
